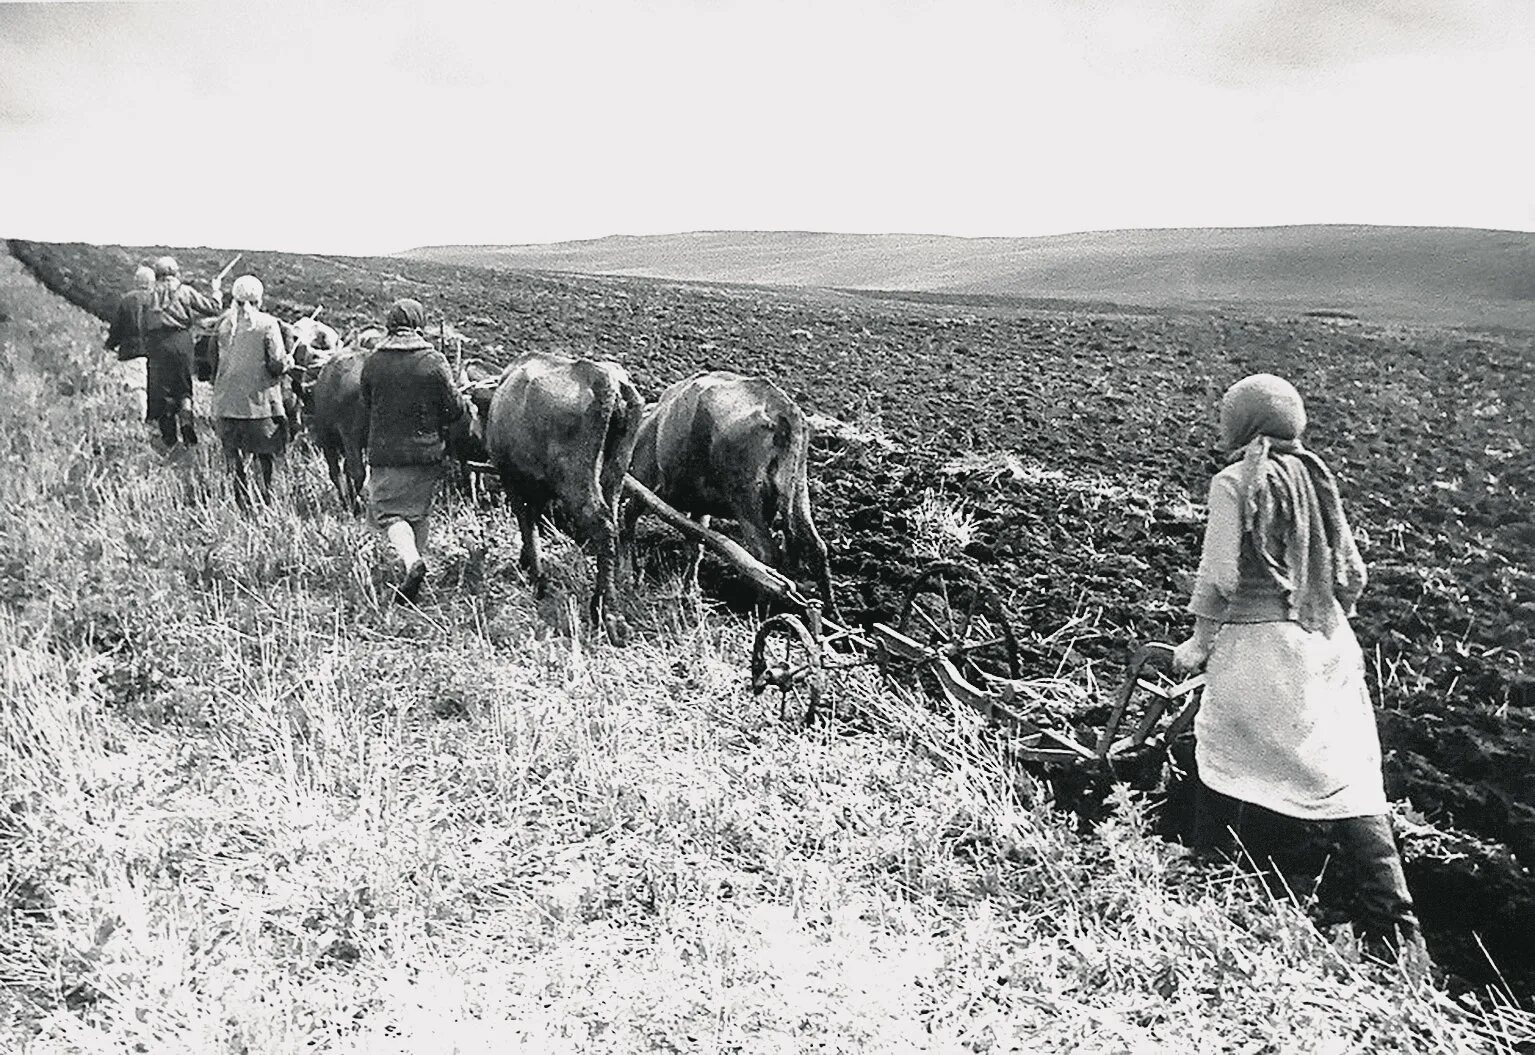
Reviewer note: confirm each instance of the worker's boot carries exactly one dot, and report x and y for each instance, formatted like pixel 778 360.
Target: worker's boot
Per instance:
pixel 411 587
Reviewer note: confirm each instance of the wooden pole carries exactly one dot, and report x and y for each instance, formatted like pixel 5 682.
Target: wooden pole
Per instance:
pixel 766 579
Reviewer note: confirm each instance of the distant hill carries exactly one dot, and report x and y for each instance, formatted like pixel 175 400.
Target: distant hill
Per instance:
pixel 1444 275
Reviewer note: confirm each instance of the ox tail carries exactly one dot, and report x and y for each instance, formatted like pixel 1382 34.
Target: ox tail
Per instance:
pixel 614 416
pixel 598 426
pixel 791 481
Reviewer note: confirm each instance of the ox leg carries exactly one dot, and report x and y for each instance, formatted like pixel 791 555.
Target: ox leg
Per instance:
pixel 759 541
pixel 633 509
pixel 597 523
pixel 356 476
pixel 530 560
pixel 605 589
pixel 690 573
pixel 333 467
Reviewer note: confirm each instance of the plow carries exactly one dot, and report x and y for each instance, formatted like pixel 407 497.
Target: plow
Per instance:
pixel 954 640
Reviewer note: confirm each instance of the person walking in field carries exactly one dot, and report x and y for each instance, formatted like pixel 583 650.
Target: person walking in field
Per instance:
pixel 247 391
pixel 1288 761
pixel 125 335
pixel 168 346
pixel 408 403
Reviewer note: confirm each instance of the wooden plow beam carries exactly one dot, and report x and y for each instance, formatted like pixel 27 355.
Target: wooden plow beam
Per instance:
pixel 770 581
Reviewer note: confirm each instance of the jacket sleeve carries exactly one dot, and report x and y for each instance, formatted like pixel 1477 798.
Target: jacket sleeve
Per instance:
pixel 122 322
pixel 1218 576
pixel 449 406
pixel 198 303
pixel 278 362
pixel 1350 570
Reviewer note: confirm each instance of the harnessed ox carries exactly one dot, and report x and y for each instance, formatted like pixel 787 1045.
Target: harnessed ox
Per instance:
pixel 310 344
pixel 334 404
pixel 724 444
pixel 560 432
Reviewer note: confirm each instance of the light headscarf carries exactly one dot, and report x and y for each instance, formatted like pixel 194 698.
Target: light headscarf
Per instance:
pixel 167 281
pixel 247 294
pixel 1290 503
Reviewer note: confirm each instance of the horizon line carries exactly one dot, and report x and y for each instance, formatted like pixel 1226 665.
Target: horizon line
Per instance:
pixel 962 237
pixel 799 231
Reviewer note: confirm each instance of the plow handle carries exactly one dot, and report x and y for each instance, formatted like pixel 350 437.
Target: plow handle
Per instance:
pixel 1154 654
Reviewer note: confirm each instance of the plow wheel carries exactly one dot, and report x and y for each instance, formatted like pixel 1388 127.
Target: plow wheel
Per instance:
pixel 786 657
pixel 951 610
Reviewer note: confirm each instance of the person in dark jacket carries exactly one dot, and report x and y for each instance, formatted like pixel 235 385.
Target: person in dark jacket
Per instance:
pixel 408 402
pixel 126 334
pixel 168 349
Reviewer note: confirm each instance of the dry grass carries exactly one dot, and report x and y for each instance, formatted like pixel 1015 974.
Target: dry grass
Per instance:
pixel 246 808
pixel 1000 467
pixel 941 527
pixel 866 432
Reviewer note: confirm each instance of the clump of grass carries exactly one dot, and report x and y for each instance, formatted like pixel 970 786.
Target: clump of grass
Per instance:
pixel 245 806
pixel 941 527
pixel 1001 467
pixel 867 432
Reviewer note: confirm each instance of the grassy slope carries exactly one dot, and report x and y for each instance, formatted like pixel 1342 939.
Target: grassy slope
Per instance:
pixel 1442 275
pixel 248 809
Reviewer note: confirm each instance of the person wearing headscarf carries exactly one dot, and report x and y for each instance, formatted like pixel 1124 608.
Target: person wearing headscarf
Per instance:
pixel 408 403
pixel 173 309
pixel 247 390
pixel 125 335
pixel 1288 760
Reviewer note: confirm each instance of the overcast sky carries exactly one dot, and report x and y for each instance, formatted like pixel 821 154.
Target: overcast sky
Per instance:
pixel 377 127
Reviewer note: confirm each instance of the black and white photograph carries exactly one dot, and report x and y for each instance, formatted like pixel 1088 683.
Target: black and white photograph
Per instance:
pixel 767 526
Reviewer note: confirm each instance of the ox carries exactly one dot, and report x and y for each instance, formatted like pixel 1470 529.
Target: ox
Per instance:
pixel 561 431
pixel 311 344
pixel 722 444
pixel 314 341
pixel 335 416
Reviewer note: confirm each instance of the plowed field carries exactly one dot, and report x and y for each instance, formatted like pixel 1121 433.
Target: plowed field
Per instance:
pixel 1094 525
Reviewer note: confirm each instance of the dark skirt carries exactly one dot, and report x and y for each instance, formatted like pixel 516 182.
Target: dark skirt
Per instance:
pixel 168 372
pixel 252 435
pixel 402 492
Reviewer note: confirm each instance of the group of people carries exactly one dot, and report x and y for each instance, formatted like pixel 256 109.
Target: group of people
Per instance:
pixel 154 321
pixel 407 395
pixel 1285 763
